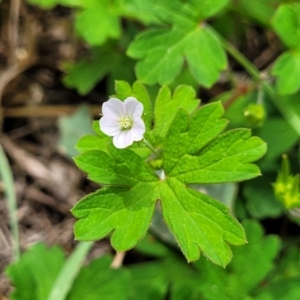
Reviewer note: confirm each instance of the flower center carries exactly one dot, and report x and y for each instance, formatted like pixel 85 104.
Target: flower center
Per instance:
pixel 125 122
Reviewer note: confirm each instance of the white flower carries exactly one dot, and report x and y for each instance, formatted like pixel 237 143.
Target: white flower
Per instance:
pixel 122 120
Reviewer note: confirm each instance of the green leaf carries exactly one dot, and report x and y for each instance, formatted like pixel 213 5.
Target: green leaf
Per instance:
pixel 35 273
pixel 71 3
pixel 204 223
pixel 194 151
pixel 289 264
pixel 92 142
pixel 134 9
pixel 284 289
pixel 98 21
pixel 162 52
pixel 261 252
pixel 224 192
pixel 206 8
pixel 149 281
pixel 204 280
pixel 287 71
pixel 235 111
pixel 159 228
pixel 166 106
pixel 127 210
pixel 278 135
pixel 240 277
pixel 84 74
pixel 261 10
pixel 99 281
pixel 182 14
pixel 204 66
pixel 286 23
pixel 185 280
pixel 103 61
pixel 70 132
pixel 260 200
pixel 151 246
pixel 100 142
pixel 46 4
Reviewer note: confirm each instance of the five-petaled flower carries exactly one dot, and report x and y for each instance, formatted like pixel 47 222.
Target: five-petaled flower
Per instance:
pixel 123 121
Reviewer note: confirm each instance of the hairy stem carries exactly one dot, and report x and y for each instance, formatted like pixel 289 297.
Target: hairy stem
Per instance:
pixel 150 147
pixel 289 114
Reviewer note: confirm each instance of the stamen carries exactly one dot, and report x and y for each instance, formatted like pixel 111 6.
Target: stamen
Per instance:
pixel 125 122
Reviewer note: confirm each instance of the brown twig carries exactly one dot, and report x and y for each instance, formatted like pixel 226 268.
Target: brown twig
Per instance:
pixel 47 175
pixel 118 260
pixel 17 65
pixel 239 91
pixel 50 111
pixel 13 29
pixel 36 195
pixel 9 74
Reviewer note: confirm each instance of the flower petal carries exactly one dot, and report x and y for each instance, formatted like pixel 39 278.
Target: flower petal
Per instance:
pixel 109 126
pixel 138 129
pixel 114 108
pixel 123 139
pixel 133 107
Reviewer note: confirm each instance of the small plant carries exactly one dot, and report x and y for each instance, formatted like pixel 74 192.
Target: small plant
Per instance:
pixel 192 149
pixel 177 175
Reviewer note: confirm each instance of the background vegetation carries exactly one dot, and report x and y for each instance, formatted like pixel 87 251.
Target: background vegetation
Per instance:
pixel 59 62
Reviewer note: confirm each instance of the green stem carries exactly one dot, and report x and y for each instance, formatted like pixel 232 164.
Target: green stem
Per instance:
pixel 238 56
pixel 150 147
pixel 287 111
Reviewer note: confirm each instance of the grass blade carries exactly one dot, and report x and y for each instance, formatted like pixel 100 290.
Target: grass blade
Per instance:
pixel 8 180
pixel 69 271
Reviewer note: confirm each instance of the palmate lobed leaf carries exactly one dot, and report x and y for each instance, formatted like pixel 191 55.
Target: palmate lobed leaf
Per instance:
pixel 170 48
pixel 194 151
pixel 162 52
pixel 162 115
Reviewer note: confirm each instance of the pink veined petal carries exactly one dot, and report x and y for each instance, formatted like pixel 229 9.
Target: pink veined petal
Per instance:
pixel 133 107
pixel 123 139
pixel 114 108
pixel 109 126
pixel 138 129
